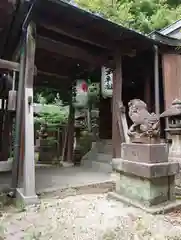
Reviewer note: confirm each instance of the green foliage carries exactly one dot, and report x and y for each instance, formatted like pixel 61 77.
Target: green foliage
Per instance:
pixel 142 15
pixel 52 115
pixel 50 95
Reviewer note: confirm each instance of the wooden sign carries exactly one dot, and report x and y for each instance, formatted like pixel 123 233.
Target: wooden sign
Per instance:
pixel 106 82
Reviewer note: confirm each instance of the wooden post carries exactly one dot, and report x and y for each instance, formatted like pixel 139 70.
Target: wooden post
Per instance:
pixel 156 82
pixel 171 80
pixel 2 112
pixel 6 135
pixel 171 77
pixel 64 143
pixel 105 118
pixel 27 193
pixel 147 92
pixel 117 136
pixel 70 141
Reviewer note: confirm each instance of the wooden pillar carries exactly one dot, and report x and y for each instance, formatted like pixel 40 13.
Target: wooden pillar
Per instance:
pixel 2 112
pixel 156 82
pixel 27 192
pixel 117 136
pixel 6 135
pixel 147 92
pixel 105 118
pixel 70 140
pixel 171 65
pixel 22 147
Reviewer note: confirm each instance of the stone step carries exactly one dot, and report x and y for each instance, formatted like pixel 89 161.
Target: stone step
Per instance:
pixel 103 157
pixel 100 157
pixel 104 146
pixel 101 162
pixel 102 167
pixel 98 166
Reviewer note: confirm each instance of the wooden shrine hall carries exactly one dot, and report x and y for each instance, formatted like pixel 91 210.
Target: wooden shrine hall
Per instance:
pixel 50 43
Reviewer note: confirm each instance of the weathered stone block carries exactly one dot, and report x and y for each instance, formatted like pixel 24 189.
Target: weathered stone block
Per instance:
pixel 146 153
pixel 146 178
pixel 143 190
pixel 146 170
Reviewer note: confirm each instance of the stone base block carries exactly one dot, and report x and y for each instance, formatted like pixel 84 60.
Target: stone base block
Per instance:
pixel 158 209
pixel 146 170
pixel 148 192
pixel 22 200
pixel 146 178
pixel 145 153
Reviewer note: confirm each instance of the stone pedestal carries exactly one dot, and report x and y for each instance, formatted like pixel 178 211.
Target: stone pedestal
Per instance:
pixel 146 178
pixel 47 152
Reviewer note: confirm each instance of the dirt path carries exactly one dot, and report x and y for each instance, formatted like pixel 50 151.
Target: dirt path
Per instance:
pixel 87 217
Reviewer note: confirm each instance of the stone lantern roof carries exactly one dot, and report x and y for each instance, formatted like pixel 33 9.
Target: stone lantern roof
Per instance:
pixel 173 110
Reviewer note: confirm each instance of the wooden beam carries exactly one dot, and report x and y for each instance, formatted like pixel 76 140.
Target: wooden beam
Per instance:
pixel 52 75
pixel 81 35
pixel 78 34
pixel 8 65
pixel 69 51
pixel 12 66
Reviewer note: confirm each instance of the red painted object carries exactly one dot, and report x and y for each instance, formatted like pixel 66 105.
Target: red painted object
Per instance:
pixel 84 87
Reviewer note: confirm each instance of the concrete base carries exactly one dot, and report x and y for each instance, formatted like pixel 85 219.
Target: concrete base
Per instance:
pixel 158 209
pixel 6 166
pixel 23 200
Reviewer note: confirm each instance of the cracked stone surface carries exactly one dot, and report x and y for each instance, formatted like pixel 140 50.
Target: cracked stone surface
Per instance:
pixel 87 217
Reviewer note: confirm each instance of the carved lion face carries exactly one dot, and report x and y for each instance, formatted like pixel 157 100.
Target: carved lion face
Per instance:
pixel 136 105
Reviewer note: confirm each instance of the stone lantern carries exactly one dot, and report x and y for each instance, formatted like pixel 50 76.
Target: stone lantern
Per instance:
pixel 173 114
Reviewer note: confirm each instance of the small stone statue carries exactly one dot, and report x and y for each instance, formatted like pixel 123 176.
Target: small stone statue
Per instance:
pixel 43 131
pixel 146 126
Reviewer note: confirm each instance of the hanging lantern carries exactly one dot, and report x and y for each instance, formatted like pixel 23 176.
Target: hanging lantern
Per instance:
pixel 80 94
pixel 106 82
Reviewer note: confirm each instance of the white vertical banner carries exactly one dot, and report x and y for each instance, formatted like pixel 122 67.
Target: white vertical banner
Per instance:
pixel 106 82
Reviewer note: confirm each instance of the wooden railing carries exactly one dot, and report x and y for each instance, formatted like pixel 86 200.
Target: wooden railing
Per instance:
pixel 122 123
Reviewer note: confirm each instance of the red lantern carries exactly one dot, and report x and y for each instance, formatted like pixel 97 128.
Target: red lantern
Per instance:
pixel 81 94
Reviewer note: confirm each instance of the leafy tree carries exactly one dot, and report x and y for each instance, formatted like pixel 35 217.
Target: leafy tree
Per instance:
pixel 142 15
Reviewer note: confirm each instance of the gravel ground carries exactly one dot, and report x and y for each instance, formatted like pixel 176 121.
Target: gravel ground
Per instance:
pixel 87 217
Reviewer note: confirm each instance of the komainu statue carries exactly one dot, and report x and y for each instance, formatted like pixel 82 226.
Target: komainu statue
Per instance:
pixel 146 126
